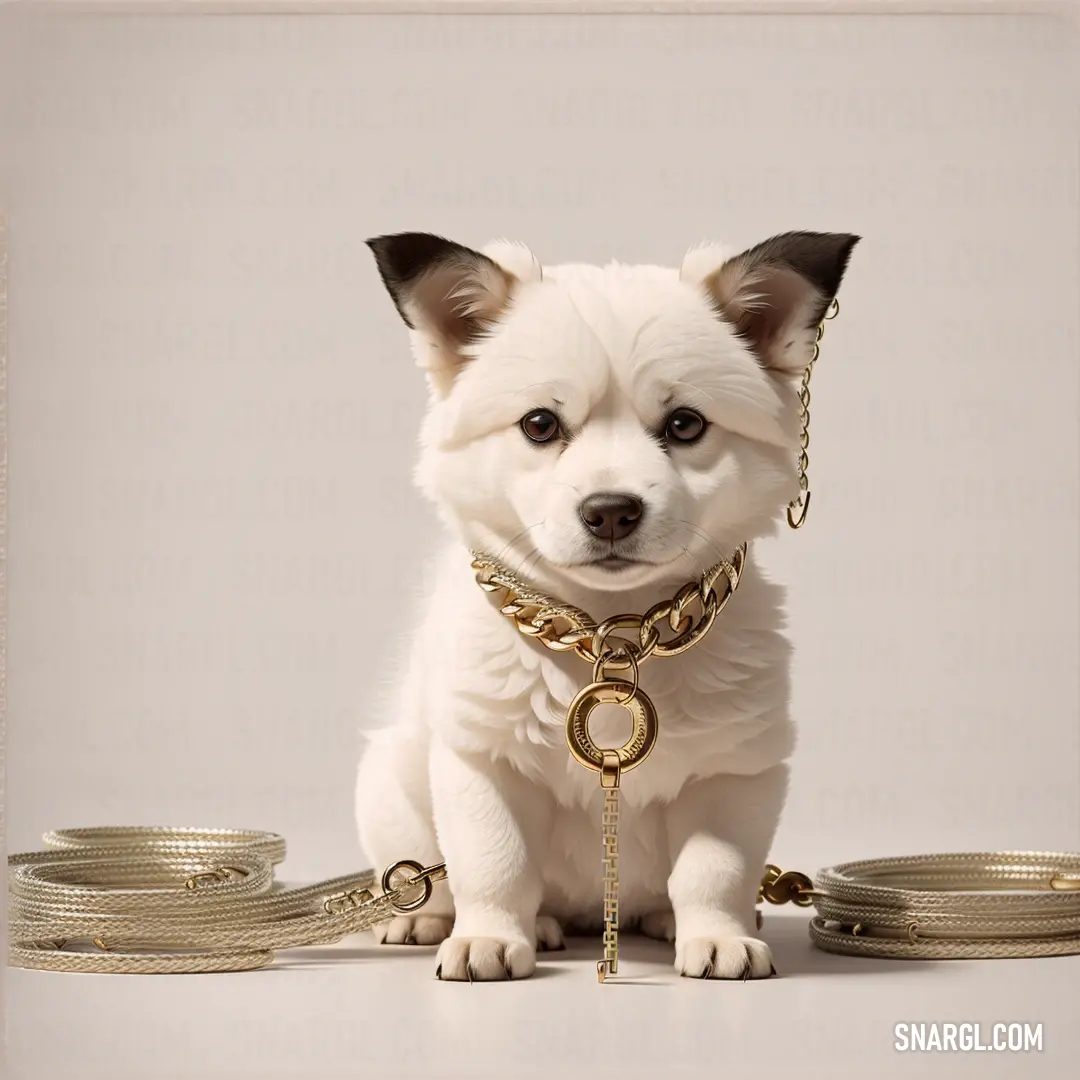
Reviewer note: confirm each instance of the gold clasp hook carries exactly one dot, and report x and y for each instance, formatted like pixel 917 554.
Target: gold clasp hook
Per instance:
pixel 802 504
pixel 422 876
pixel 786 887
pixel 342 902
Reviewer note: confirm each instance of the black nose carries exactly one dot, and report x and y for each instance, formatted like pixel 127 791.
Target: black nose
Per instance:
pixel 612 516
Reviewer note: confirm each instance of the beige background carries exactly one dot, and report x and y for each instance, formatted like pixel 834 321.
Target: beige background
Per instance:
pixel 212 416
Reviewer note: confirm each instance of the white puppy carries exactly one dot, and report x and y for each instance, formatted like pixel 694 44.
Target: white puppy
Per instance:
pixel 607 433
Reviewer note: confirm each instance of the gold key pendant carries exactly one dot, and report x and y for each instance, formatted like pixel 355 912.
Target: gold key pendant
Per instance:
pixel 611 764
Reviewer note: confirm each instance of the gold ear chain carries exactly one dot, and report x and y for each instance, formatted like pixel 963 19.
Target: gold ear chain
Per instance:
pixel 800 506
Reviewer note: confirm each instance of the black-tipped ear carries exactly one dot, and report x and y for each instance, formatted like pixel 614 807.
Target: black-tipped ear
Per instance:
pixel 441 287
pixel 402 258
pixel 776 293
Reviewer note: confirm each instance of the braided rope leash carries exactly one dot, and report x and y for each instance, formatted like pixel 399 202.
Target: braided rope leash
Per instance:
pixel 171 901
pixel 963 906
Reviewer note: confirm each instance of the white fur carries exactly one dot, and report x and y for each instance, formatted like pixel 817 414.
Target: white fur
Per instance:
pixel 474 767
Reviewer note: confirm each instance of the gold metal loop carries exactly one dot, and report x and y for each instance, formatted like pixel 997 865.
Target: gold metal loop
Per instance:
pixel 730 570
pixel 657 614
pixel 786 887
pixel 389 885
pixel 646 639
pixel 203 878
pixel 610 770
pixel 796 513
pixel 220 875
pixel 343 902
pixel 620 663
pixel 687 632
pixel 611 692
pixel 690 593
pixel 423 877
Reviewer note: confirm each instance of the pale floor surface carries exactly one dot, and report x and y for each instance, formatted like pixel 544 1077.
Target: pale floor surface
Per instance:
pixel 359 1010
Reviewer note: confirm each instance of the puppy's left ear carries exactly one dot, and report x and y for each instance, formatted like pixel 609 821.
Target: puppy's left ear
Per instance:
pixel 776 294
pixel 449 293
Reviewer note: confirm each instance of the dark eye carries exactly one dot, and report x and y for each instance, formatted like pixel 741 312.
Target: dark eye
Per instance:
pixel 540 426
pixel 685 426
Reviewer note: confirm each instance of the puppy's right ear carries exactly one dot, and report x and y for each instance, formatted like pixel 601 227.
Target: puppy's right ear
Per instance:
pixel 776 294
pixel 448 293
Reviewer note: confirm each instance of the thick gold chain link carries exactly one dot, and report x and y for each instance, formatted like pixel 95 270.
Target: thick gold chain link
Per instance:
pixel 564 628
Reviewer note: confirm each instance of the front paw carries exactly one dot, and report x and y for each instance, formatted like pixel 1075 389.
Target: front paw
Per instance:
pixel 659 925
pixel 723 958
pixel 413 930
pixel 549 935
pixel 484 959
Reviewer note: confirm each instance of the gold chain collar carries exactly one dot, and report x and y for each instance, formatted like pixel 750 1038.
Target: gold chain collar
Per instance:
pixel 615 647
pixel 564 628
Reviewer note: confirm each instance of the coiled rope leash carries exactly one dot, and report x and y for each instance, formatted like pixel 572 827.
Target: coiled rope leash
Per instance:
pixel 966 906
pixel 171 901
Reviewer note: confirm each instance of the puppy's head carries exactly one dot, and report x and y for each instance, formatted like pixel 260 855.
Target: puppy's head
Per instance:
pixel 614 425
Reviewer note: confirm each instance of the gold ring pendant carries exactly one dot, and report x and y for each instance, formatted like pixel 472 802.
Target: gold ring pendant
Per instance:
pixel 611 692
